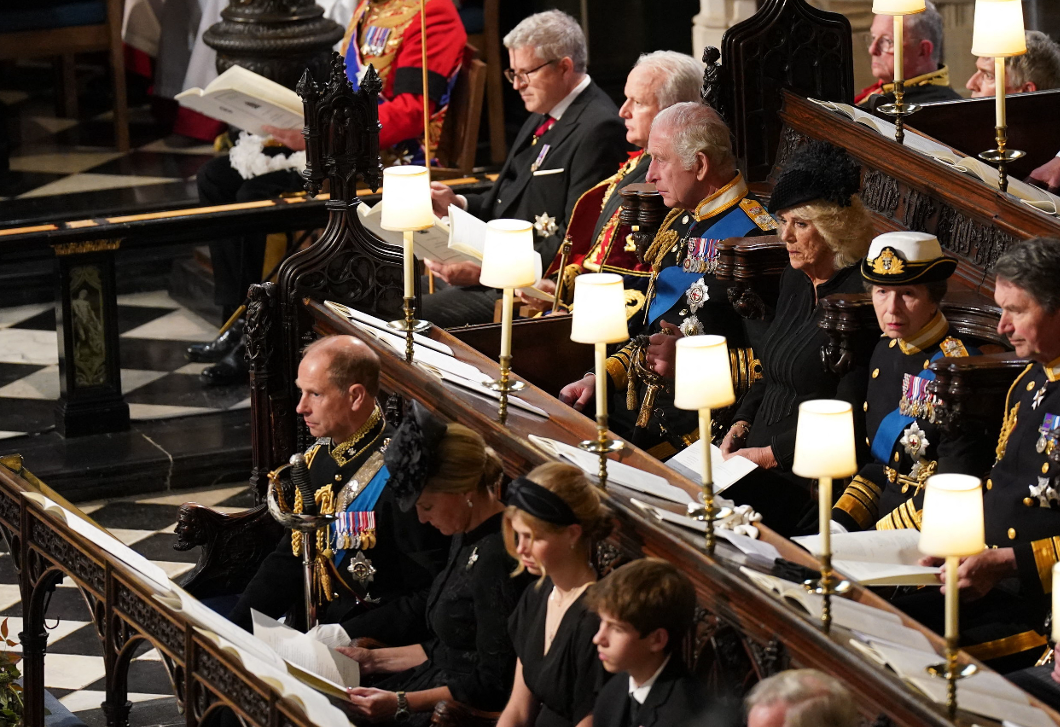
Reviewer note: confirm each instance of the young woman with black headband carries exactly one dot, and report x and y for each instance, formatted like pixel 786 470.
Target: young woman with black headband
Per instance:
pixel 461 650
pixel 554 519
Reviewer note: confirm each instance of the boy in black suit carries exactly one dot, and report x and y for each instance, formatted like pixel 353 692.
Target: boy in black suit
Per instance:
pixel 646 608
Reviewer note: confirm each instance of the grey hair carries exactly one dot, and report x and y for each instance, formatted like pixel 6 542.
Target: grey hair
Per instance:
pixel 927 26
pixel 694 128
pixel 678 76
pixel 847 231
pixel 553 35
pixel 1040 64
pixel 813 699
pixel 1034 266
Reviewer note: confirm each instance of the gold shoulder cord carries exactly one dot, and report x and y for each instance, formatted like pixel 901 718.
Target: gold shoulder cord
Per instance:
pixel 664 240
pixel 1009 422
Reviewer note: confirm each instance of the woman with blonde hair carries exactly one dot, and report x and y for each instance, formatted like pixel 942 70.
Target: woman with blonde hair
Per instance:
pixel 827 231
pixel 554 519
pixel 460 646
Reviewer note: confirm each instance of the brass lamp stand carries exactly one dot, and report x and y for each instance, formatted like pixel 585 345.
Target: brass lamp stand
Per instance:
pixel 899 109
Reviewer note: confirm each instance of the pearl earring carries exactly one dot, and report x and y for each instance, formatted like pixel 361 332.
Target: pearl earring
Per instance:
pixel 469 503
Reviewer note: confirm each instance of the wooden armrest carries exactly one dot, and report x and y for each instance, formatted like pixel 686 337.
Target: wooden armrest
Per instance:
pixel 850 322
pixel 233 547
pixel 754 265
pixel 974 316
pixel 455 714
pixel 974 388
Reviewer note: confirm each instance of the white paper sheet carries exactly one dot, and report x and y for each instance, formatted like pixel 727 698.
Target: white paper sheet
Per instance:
pixel 306 653
pixel 726 472
pixel 363 319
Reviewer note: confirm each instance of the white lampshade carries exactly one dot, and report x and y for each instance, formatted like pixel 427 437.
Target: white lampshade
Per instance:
pixel 824 440
pixel 702 377
pixel 898 7
pixel 1056 602
pixel 599 309
pixel 508 257
pixel 952 523
pixel 998 29
pixel 406 199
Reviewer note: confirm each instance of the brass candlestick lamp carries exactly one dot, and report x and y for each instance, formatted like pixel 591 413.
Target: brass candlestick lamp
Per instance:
pixel 899 109
pixel 599 318
pixel 406 208
pixel 703 382
pixel 952 528
pixel 508 262
pixel 999 33
pixel 824 449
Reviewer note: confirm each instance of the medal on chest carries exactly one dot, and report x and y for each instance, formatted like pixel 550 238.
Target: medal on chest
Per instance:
pixel 915 441
pixel 540 158
pixel 701 255
pixel 355 531
pixel 375 39
pixel 918 398
pixel 1044 492
pixel 1039 397
pixel 1048 434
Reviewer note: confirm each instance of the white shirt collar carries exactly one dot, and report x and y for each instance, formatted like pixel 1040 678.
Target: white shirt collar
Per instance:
pixel 641 693
pixel 558 109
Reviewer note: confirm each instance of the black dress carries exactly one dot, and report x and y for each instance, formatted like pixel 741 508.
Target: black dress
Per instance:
pixel 466 614
pixel 567 679
pixel 792 372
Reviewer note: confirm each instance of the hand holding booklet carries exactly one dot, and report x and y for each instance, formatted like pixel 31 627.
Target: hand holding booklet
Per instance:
pixel 725 472
pixel 318 665
pixel 246 100
pixel 876 557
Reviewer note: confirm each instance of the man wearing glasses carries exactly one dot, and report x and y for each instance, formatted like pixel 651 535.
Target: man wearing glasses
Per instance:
pixel 927 79
pixel 573 139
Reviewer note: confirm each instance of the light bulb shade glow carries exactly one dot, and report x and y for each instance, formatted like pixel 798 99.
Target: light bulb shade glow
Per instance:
pixel 998 29
pixel 508 256
pixel 599 314
pixel 824 440
pixel 1056 601
pixel 406 199
pixel 898 7
pixel 952 523
pixel 702 377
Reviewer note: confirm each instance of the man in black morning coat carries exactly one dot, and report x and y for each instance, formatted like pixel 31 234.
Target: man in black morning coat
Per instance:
pixel 339 379
pixel 573 139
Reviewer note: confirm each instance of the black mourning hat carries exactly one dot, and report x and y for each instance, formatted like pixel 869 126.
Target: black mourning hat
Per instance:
pixel 411 456
pixel 816 170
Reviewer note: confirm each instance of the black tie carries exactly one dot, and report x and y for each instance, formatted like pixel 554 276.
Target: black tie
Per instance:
pixel 634 710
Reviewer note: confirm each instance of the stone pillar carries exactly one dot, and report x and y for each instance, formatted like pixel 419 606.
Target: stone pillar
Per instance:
pixel 714 18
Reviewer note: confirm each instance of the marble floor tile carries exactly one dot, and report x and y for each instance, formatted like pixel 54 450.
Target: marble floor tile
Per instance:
pixel 183 390
pixel 10 435
pixel 133 379
pixel 42 384
pixel 180 325
pixel 151 299
pixel 16 184
pixel 10 372
pixel 72 671
pixel 245 404
pixel 71 163
pixel 180 145
pixel 85 699
pixel 9 596
pixel 152 354
pixel 210 497
pixel 64 628
pixel 193 369
pixel 28 347
pixel 25 415
pixel 132 515
pixel 174 570
pixel 11 98
pixel 92 182
pixel 149 412
pixel 53 124
pixel 153 164
pixel 130 536
pixel 17 314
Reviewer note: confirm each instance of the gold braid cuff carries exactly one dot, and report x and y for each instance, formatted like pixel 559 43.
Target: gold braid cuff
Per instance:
pixel 1046 555
pixel 1007 646
pixel 861 500
pixel 903 517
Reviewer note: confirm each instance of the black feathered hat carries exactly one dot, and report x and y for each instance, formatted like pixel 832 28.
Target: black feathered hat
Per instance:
pixel 816 170
pixel 411 456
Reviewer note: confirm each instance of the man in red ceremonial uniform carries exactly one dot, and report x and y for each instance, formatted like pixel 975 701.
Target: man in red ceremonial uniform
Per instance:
pixel 386 34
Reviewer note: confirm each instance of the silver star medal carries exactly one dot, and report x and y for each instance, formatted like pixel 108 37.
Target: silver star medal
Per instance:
pixel 914 440
pixel 545 225
pixel 1039 395
pixel 472 559
pixel 697 295
pixel 361 569
pixel 1043 492
pixel 691 326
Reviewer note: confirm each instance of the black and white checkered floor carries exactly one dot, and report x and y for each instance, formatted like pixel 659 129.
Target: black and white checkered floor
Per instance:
pixel 157 380
pixel 73 667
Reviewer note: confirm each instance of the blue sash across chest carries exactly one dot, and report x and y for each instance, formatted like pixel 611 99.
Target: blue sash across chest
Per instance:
pixel 673 281
pixel 366 499
pixel 892 426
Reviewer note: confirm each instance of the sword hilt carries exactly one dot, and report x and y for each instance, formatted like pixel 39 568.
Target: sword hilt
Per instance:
pixel 300 479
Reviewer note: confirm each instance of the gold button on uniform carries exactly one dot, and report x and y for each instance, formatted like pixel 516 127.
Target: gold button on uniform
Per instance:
pixel 1029 501
pixel 927 362
pixel 867 442
pixel 1045 468
pixel 989 484
pixel 896 457
pixel 1030 386
pixel 1012 533
pixel 893 343
pixel 865 406
pixel 875 373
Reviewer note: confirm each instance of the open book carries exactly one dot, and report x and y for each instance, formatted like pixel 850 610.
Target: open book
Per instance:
pixel 1040 199
pixel 107 542
pixel 876 557
pixel 316 664
pixel 757 550
pixel 726 472
pixel 246 100
pixel 432 243
pixel 617 473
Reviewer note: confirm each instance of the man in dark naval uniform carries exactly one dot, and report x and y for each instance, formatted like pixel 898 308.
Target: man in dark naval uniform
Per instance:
pixel 906 273
pixel 1009 584
pixel 598 241
pixel 573 139
pixel 339 379
pixel 694 170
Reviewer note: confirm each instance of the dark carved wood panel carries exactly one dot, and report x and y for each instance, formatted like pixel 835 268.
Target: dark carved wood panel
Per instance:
pixel 148 620
pixel 211 672
pixel 789 45
pixel 66 555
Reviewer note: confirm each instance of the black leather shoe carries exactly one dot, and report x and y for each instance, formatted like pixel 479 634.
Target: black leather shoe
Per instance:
pixel 232 369
pixel 218 348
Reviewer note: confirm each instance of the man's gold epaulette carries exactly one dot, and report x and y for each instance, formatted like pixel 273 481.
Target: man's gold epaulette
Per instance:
pixel 754 209
pixel 311 453
pixel 953 348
